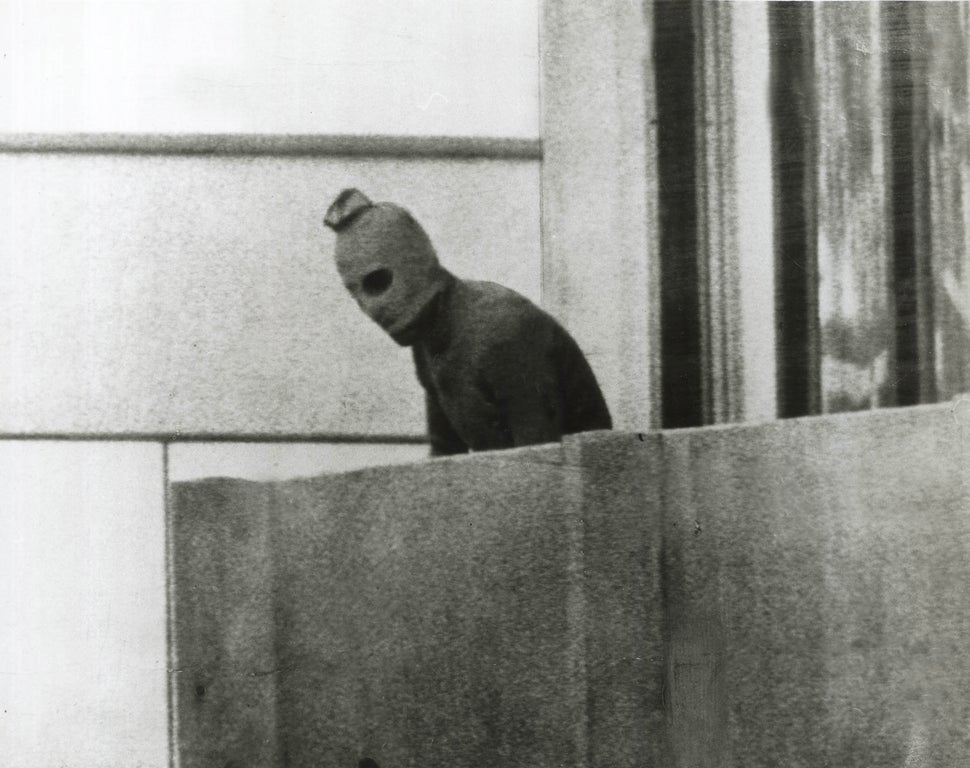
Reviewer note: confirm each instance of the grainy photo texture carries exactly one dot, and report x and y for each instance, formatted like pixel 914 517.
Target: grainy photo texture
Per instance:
pixel 522 382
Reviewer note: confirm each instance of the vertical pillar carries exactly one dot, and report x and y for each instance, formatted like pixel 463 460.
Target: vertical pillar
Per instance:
pixel 754 232
pixel 599 212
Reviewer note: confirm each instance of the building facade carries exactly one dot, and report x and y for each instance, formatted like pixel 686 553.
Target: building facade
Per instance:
pixel 743 211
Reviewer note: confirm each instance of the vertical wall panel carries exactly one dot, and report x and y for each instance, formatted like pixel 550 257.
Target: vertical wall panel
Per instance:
pixel 82 605
pixel 225 675
pixel 755 225
pixel 599 211
pixel 815 579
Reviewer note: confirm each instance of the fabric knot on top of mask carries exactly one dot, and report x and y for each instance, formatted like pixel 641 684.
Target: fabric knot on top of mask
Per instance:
pixel 345 208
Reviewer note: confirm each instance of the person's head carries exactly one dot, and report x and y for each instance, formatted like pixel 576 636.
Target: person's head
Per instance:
pixel 385 261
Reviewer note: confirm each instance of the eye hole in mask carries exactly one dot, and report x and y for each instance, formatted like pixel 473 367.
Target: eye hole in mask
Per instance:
pixel 377 282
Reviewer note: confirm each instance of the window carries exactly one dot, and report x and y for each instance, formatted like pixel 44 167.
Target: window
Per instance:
pixel 869 166
pixel 869 223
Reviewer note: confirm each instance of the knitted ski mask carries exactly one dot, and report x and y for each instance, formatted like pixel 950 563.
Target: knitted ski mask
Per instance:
pixel 386 261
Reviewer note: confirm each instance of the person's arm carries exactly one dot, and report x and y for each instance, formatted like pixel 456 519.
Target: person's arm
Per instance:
pixel 442 436
pixel 444 440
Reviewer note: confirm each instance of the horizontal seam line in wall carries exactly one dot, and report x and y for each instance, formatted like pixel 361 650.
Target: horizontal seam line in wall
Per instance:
pixel 218 437
pixel 309 145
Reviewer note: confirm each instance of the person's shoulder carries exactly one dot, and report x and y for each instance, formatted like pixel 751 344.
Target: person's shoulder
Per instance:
pixel 501 321
pixel 498 307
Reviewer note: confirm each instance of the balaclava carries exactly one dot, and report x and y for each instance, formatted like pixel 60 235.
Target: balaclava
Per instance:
pixel 386 261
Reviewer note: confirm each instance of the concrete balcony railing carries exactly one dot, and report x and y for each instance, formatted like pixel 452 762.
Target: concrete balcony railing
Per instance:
pixel 792 593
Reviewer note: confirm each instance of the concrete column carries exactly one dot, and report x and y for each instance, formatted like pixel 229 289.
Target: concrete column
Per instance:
pixel 599 211
pixel 752 205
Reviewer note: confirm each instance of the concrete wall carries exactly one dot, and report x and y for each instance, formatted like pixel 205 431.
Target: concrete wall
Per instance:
pixel 282 461
pixel 163 293
pixel 411 630
pixel 781 594
pixel 815 575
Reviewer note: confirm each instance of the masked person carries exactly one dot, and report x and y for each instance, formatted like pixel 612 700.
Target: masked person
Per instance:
pixel 497 371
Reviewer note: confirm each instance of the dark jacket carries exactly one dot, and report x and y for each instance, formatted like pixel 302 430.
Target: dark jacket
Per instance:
pixel 499 372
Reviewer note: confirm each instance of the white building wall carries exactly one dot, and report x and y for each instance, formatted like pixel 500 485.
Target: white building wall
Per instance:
pixel 83 657
pixel 166 293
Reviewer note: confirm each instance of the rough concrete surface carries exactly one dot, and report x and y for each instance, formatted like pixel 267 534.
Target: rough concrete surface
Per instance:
pixel 790 594
pixel 457 612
